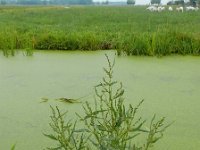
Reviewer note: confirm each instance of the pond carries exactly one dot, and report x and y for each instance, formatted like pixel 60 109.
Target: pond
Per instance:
pixel 169 85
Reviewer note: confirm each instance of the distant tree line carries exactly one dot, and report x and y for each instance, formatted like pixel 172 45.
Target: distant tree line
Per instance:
pixel 155 1
pixel 73 2
pixel 58 2
pixel 132 2
pixel 178 2
pixel 40 2
pixel 182 2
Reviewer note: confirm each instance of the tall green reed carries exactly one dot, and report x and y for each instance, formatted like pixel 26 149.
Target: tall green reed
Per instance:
pixel 129 30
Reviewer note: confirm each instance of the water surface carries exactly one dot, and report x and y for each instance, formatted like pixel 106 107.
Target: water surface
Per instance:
pixel 169 85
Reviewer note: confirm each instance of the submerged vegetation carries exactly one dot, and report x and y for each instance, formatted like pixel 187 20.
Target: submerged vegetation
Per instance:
pixel 129 30
pixel 109 125
pixel 62 99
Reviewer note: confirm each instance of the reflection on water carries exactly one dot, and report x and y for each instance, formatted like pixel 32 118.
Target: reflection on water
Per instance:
pixel 169 85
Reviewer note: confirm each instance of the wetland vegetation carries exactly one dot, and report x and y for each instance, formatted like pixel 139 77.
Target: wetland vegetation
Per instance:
pixel 129 30
pixel 109 125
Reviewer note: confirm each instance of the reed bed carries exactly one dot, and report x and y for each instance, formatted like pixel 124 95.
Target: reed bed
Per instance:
pixel 130 30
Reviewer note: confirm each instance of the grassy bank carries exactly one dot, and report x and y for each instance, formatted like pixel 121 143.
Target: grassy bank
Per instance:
pixel 130 30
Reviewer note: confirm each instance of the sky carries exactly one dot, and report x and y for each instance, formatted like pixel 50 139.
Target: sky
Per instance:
pixel 138 2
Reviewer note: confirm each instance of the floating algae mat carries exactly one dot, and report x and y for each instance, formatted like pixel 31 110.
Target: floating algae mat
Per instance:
pixel 170 87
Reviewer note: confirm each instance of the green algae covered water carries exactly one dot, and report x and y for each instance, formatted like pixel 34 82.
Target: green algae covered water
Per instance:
pixel 169 85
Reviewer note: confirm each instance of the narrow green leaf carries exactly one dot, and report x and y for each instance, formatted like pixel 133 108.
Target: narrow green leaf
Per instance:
pixel 82 130
pixel 131 137
pixel 50 136
pixel 13 147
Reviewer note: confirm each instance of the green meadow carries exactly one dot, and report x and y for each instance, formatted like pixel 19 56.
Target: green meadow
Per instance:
pixel 131 30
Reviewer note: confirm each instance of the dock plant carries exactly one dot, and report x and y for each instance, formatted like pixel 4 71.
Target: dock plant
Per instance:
pixel 108 125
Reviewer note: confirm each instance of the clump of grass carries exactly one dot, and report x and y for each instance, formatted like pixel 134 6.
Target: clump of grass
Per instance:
pixel 134 44
pixel 160 44
pixel 110 124
pixel 11 41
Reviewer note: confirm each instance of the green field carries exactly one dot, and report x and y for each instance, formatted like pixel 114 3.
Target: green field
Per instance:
pixel 129 29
